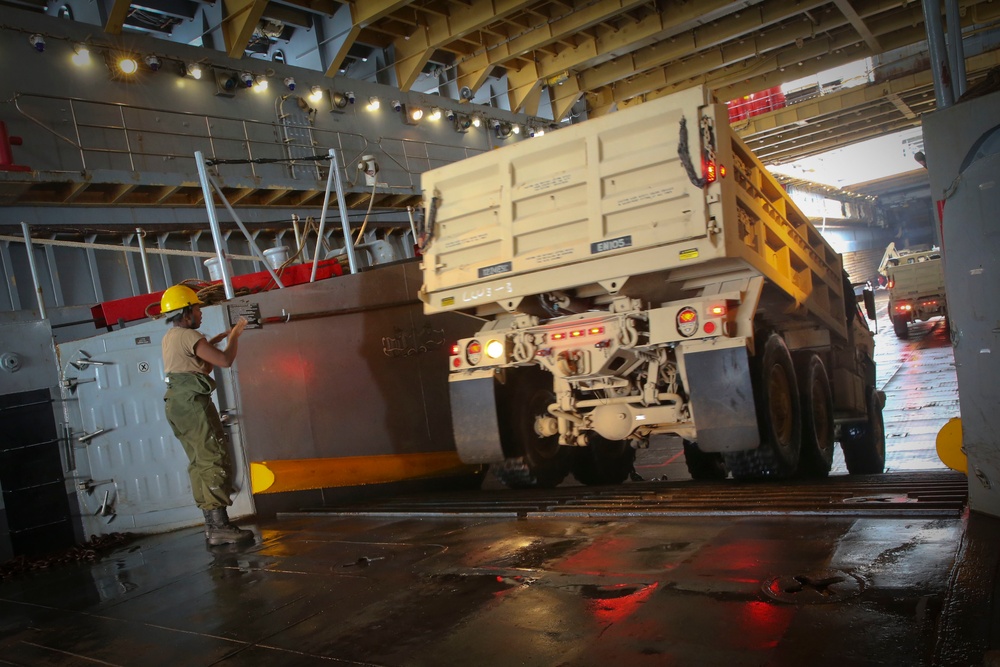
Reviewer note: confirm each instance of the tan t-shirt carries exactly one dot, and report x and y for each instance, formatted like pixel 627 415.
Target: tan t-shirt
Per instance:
pixel 178 352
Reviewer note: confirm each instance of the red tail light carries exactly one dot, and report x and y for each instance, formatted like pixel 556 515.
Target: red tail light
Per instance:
pixel 710 173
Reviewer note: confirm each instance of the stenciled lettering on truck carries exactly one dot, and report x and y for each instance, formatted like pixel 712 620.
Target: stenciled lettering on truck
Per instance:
pixel 611 244
pixel 487 292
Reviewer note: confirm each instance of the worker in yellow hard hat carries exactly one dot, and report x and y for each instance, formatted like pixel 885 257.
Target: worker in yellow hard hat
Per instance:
pixel 188 359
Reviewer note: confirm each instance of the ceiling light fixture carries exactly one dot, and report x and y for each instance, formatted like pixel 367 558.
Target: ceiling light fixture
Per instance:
pixel 81 55
pixel 127 65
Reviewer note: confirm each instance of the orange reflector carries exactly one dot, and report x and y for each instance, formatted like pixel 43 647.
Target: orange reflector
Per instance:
pixel 722 170
pixel 475 348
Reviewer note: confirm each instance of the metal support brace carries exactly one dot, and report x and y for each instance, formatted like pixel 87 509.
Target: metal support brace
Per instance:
pixel 95 276
pixel 8 272
pixel 140 235
pixel 213 222
pixel 333 178
pixel 53 267
pixel 161 242
pixel 34 270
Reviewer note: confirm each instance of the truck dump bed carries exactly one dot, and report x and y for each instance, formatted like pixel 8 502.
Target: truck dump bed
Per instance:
pixel 916 274
pixel 590 205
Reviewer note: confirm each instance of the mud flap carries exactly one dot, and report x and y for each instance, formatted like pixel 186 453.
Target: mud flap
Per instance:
pixel 474 418
pixel 722 399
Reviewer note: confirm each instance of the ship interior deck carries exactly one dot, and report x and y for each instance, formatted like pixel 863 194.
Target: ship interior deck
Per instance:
pixel 889 569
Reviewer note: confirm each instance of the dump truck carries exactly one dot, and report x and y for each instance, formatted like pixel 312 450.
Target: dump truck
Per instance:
pixel 637 274
pixel 915 280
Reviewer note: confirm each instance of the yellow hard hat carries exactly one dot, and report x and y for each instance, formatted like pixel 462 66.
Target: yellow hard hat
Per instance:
pixel 177 297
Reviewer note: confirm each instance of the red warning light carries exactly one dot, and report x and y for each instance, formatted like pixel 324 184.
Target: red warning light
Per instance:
pixel 595 331
pixel 687 315
pixel 710 173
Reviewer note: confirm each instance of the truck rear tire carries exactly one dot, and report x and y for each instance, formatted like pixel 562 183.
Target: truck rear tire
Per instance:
pixel 816 399
pixel 532 460
pixel 603 461
pixel 864 443
pixel 778 417
pixel 901 327
pixel 704 465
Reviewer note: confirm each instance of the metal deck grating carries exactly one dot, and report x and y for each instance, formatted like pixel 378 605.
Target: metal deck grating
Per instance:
pixel 911 494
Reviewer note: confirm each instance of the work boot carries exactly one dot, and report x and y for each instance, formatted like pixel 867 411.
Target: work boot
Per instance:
pixel 218 530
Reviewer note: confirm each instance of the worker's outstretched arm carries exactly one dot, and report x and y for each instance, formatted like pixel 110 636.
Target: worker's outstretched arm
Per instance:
pixel 205 349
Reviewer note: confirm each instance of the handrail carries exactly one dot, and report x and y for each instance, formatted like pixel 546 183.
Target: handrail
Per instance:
pixel 245 147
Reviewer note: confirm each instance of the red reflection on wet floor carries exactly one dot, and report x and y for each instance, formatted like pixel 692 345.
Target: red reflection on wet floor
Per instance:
pixel 616 608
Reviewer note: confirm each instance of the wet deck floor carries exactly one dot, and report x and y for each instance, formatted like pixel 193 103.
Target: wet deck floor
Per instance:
pixel 883 570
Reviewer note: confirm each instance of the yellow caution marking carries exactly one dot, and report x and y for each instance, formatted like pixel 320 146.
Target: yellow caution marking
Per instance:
pixel 949 446
pixel 301 474
pixel 261 478
pixel 690 253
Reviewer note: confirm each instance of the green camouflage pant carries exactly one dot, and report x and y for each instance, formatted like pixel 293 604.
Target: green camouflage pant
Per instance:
pixel 195 421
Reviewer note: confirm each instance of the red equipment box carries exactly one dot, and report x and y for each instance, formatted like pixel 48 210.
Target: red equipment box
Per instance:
pixel 133 308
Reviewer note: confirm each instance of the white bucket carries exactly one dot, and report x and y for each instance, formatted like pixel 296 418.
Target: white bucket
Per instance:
pixel 214 272
pixel 276 256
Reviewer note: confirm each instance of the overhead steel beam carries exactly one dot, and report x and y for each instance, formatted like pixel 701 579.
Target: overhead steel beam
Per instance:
pixel 474 69
pixel 901 105
pixel 678 40
pixel 415 49
pixel 834 103
pixel 858 23
pixel 747 71
pixel 239 23
pixel 117 13
pixel 521 84
pixel 346 24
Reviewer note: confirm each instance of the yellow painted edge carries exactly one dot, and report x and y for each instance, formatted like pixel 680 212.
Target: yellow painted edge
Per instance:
pixel 949 446
pixel 302 474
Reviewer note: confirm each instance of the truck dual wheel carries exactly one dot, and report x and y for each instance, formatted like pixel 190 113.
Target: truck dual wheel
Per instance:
pixel 864 443
pixel 816 399
pixel 704 465
pixel 532 460
pixel 901 327
pixel 603 461
pixel 779 420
